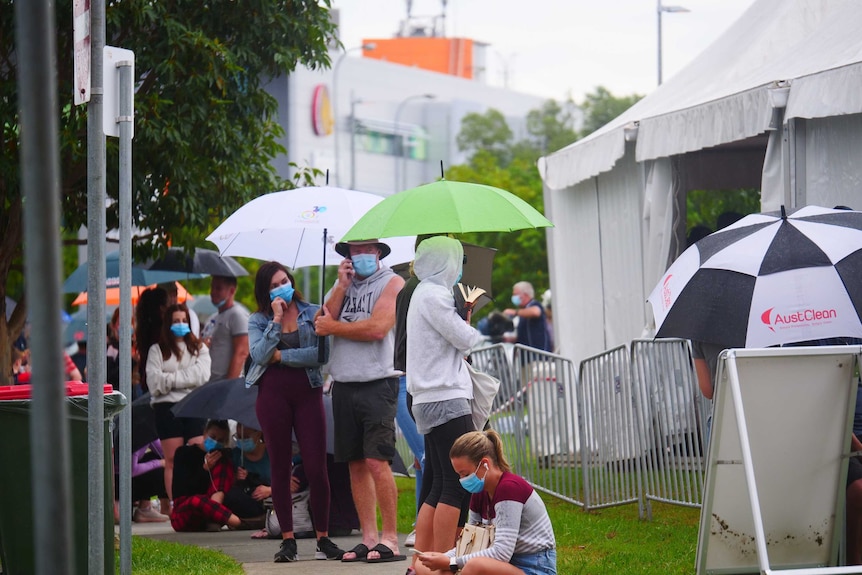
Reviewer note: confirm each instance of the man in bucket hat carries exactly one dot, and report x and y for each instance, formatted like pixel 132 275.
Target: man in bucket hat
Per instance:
pixel 359 314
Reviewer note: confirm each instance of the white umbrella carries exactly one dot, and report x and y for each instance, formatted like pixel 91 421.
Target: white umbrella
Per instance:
pixel 288 227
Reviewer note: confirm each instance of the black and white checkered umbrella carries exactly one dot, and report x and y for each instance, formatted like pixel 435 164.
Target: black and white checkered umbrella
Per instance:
pixel 768 279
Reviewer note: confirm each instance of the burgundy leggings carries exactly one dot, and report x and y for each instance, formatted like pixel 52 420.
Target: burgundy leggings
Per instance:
pixel 287 404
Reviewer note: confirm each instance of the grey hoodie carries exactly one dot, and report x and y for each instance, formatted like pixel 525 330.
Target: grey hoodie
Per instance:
pixel 437 338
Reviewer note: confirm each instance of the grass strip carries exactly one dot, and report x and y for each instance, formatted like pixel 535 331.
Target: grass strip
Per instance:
pixel 154 557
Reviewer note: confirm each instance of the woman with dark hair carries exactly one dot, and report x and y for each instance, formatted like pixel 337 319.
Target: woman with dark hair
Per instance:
pixel 176 365
pixel 283 347
pixel 149 315
pixel 524 541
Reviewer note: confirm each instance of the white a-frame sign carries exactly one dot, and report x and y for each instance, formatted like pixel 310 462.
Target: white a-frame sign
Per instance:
pixel 777 461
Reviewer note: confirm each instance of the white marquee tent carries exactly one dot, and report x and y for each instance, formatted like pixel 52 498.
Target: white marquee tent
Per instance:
pixel 775 103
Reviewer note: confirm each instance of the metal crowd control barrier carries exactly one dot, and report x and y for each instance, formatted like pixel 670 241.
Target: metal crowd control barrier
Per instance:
pixel 508 412
pixel 611 450
pixel 628 427
pixel 672 420
pixel 550 459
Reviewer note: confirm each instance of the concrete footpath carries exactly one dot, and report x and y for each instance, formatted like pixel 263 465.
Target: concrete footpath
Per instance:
pixel 255 555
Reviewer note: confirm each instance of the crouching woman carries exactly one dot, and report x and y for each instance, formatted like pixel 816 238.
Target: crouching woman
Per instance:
pixel 524 538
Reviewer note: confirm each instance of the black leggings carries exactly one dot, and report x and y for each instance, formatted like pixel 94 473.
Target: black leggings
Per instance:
pixel 439 481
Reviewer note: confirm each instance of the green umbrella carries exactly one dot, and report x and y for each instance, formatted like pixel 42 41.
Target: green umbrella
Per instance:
pixel 446 207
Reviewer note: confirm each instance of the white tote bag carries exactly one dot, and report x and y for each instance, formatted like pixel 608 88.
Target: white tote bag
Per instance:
pixel 485 389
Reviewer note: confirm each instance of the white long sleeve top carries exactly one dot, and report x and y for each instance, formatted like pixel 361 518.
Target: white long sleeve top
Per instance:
pixel 172 379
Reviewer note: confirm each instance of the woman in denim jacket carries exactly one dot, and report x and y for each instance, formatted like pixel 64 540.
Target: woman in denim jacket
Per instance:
pixel 285 367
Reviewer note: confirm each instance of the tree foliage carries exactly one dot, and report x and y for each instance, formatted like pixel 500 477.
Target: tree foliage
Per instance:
pixel 600 107
pixel 552 125
pixel 205 130
pixel 488 132
pixel 706 207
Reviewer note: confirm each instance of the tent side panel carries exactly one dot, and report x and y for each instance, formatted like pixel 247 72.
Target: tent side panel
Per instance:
pixel 620 220
pixel 574 258
pixel 833 172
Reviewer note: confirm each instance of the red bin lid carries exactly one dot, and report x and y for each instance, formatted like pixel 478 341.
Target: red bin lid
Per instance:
pixel 73 388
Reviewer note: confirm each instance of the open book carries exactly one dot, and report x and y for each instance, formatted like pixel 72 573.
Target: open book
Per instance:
pixel 470 293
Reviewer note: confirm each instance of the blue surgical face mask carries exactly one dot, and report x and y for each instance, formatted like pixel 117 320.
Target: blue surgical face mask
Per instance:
pixel 211 444
pixel 247 444
pixel 180 329
pixel 472 483
pixel 460 274
pixel 220 303
pixel 516 300
pixel 364 264
pixel 284 291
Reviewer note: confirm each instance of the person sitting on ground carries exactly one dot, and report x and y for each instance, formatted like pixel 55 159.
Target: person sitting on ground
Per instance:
pixel 203 473
pixel 524 542
pixel 253 476
pixel 148 480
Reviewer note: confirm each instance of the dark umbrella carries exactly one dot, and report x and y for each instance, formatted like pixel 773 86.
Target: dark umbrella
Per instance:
pixel 77 281
pixel 76 329
pixel 224 399
pixel 769 279
pixel 143 423
pixel 203 261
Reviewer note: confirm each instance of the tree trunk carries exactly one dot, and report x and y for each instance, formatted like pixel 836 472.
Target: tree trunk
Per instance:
pixel 10 251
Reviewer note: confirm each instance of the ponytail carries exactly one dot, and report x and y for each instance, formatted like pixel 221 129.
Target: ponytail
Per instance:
pixel 475 445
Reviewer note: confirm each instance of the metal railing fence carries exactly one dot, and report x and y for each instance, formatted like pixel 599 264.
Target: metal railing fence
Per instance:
pixel 672 417
pixel 548 383
pixel 629 426
pixel 611 452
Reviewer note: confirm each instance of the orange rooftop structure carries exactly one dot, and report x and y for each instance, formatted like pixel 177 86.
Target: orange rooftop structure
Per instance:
pixel 453 56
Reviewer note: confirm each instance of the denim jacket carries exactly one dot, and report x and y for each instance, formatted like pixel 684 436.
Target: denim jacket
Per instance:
pixel 264 335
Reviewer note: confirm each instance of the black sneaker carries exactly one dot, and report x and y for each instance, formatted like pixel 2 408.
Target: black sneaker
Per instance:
pixel 326 549
pixel 287 551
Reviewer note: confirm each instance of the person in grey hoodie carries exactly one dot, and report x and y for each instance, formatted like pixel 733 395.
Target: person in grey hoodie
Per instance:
pixel 437 342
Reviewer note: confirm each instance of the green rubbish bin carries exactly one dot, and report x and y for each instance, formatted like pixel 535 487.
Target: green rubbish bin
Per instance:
pixel 17 547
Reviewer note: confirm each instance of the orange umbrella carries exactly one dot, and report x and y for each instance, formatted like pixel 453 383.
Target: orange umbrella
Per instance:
pixel 112 295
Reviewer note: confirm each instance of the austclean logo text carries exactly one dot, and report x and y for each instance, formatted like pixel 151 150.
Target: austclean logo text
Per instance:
pixel 797 318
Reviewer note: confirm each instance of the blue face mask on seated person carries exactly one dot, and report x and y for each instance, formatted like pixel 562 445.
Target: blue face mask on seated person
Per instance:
pixel 472 483
pixel 364 264
pixel 284 291
pixel 211 444
pixel 516 300
pixel 247 444
pixel 180 329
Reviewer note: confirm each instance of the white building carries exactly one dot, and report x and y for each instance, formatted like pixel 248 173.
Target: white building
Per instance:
pixel 356 118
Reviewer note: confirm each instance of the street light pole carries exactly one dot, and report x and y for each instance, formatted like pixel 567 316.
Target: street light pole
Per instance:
pixel 399 158
pixel 659 10
pixel 353 102
pixel 368 46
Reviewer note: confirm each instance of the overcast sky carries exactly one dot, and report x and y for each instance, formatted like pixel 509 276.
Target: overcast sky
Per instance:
pixel 557 48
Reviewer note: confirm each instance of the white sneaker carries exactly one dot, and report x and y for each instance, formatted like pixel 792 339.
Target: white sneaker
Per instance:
pixel 148 516
pixel 411 539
